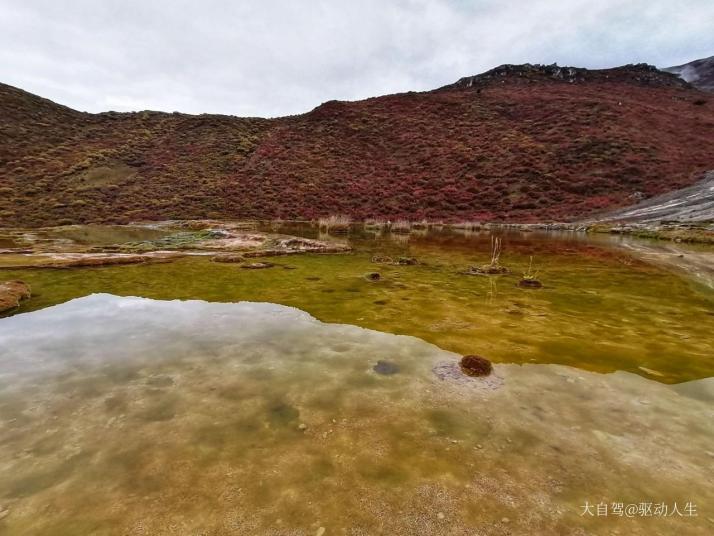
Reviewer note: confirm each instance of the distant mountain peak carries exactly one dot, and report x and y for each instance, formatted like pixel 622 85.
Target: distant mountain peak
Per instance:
pixel 699 73
pixel 640 73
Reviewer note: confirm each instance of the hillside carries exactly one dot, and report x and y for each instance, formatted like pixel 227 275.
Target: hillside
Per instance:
pixel 699 73
pixel 518 143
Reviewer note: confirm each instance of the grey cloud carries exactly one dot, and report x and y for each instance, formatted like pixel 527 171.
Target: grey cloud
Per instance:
pixel 279 57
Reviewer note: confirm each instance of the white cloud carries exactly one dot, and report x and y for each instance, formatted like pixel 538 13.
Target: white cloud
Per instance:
pixel 278 57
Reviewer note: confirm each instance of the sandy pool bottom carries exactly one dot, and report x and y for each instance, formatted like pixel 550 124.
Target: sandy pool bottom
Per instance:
pixel 134 416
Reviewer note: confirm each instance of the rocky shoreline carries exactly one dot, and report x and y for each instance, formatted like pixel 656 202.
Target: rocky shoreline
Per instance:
pixel 61 247
pixel 701 233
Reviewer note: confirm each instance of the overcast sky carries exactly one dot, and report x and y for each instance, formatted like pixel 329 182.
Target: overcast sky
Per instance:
pixel 280 57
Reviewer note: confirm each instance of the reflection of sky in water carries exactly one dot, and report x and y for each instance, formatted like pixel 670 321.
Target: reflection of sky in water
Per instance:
pixel 104 329
pixel 128 414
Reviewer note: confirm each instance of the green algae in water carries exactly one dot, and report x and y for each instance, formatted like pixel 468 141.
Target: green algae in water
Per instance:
pixel 106 235
pixel 600 309
pixel 226 388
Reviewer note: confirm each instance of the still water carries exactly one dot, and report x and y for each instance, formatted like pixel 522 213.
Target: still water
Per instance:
pixel 602 307
pixel 198 398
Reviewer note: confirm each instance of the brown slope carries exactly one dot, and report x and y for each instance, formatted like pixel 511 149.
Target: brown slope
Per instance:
pixel 517 143
pixel 58 165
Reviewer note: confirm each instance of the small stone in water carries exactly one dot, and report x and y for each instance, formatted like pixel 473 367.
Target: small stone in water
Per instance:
pixel 302 427
pixel 386 368
pixel 320 531
pixel 257 265
pixel 228 258
pixel 373 276
pixel 407 261
pixel 529 283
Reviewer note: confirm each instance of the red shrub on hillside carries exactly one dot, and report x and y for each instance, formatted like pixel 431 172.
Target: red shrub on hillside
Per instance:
pixel 519 142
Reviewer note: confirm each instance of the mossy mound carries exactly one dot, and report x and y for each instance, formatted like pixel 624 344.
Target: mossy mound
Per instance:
pixel 474 365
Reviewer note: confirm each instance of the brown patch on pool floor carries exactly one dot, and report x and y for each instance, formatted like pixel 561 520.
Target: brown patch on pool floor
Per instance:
pixel 385 368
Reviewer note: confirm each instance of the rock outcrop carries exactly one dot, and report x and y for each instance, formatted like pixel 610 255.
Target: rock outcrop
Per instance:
pixel 12 293
pixel 640 73
pixel 699 73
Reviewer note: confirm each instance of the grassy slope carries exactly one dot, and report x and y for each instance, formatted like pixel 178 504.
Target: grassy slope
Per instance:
pixel 519 146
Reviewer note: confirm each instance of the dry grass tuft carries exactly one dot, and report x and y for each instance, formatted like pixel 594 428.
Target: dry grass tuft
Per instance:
pixel 335 223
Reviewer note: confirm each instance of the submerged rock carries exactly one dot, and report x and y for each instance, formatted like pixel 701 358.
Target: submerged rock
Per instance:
pixel 103 260
pixel 400 261
pixel 382 259
pixel 407 261
pixel 300 245
pixel 474 365
pixel 385 368
pixel 257 265
pixel 487 269
pixel 81 260
pixel 12 293
pixel 372 276
pixel 528 282
pixel 228 258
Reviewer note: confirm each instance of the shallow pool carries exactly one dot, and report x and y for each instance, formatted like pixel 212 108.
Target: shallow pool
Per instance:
pixel 125 415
